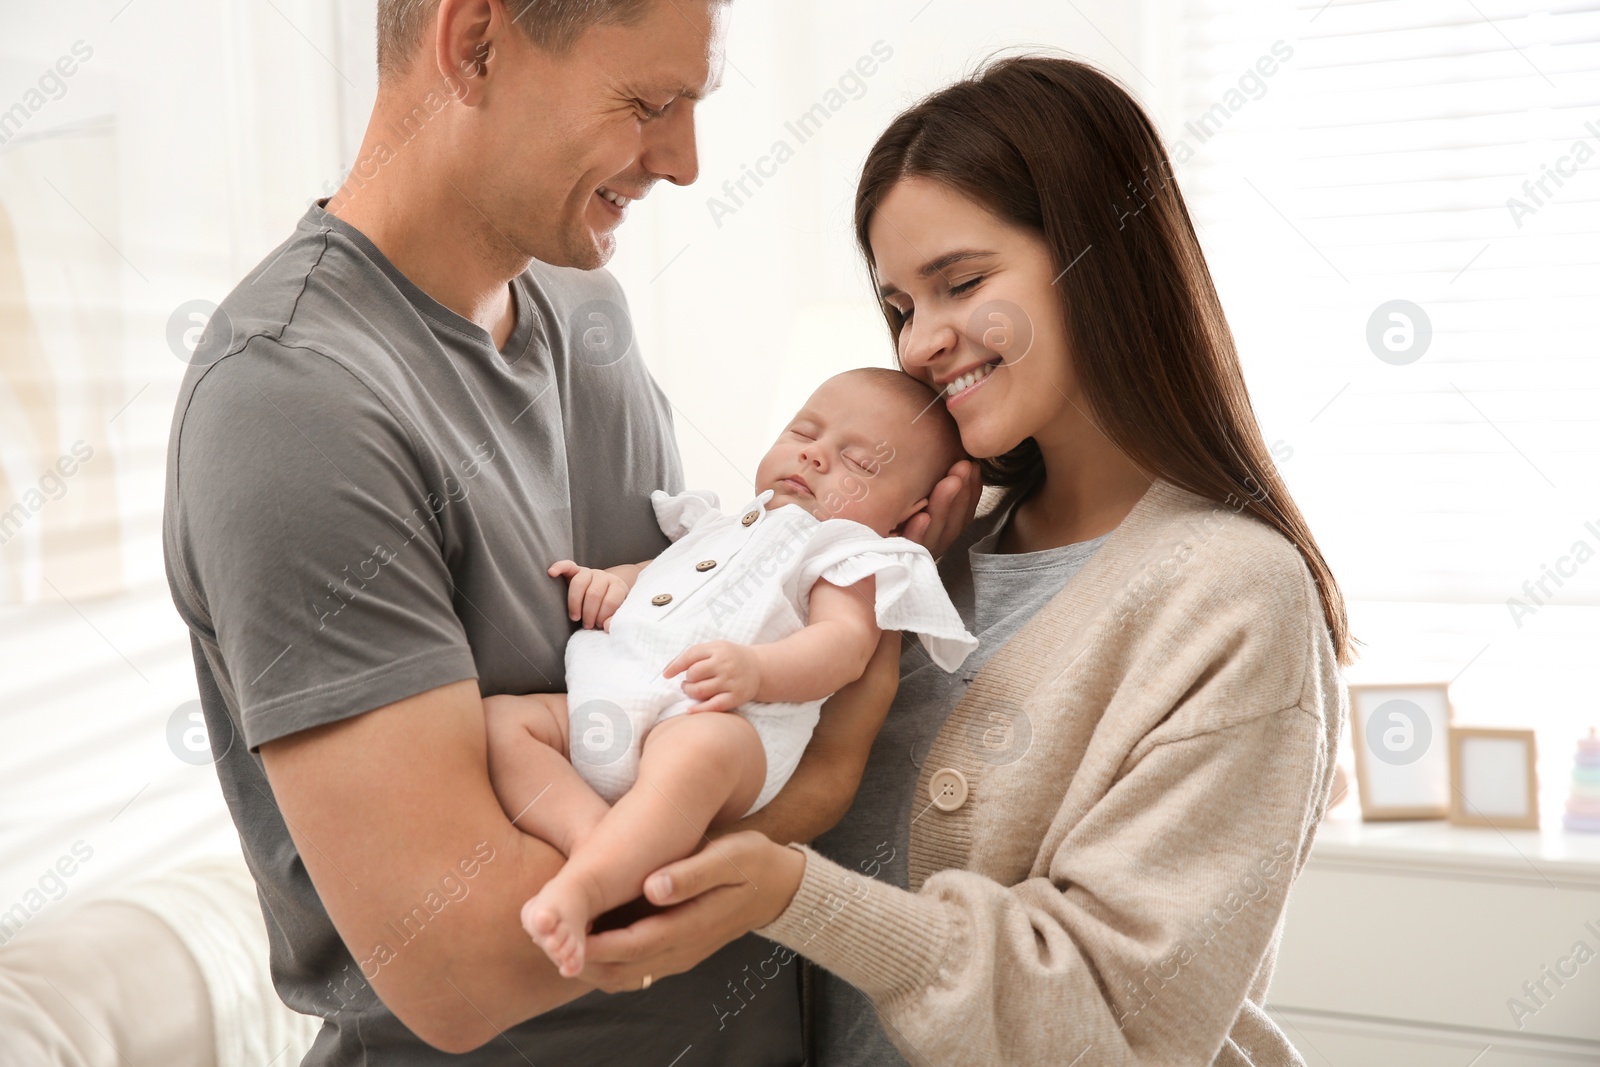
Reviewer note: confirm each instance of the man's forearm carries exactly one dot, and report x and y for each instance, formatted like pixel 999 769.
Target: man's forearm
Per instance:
pixel 482 974
pixel 389 811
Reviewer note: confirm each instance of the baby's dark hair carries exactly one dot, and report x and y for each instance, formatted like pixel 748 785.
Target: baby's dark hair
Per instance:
pixel 924 404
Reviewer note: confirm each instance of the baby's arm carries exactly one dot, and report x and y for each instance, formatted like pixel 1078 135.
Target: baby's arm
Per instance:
pixel 594 595
pixel 829 653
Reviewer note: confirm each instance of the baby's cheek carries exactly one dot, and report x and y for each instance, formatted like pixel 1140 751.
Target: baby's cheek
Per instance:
pixel 875 511
pixel 840 503
pixel 850 491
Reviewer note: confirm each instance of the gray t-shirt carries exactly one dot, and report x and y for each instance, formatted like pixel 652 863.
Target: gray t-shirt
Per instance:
pixel 996 594
pixel 363 495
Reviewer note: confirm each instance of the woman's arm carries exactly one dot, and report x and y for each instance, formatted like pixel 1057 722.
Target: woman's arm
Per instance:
pixel 1141 938
pixel 824 784
pixel 1151 919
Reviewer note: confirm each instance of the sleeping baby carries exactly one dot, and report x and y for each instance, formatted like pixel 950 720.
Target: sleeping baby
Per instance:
pixel 698 677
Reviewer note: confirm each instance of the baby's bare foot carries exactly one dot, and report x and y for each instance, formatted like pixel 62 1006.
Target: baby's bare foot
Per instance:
pixel 557 918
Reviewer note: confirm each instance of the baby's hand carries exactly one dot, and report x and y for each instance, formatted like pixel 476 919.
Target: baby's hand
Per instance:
pixel 593 595
pixel 721 675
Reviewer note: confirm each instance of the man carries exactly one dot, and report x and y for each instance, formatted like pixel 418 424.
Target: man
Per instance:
pixel 392 427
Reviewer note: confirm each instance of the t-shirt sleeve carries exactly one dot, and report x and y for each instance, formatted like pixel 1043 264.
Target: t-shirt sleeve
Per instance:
pixel 306 545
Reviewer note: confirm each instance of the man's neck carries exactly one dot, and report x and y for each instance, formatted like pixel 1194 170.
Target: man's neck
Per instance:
pixel 433 234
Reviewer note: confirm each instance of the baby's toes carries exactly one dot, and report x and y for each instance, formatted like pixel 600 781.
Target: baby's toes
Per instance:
pixel 570 957
pixel 539 919
pixel 564 945
pixel 556 934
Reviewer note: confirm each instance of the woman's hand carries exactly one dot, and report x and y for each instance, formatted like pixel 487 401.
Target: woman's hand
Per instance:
pixel 735 884
pixel 951 506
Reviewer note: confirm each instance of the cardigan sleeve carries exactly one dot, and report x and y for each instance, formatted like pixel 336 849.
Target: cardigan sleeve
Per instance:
pixel 1138 947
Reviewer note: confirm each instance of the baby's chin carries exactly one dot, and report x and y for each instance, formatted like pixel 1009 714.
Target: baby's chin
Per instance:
pixel 782 495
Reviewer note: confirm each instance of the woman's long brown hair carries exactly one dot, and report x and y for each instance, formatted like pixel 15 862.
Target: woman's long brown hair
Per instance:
pixel 1059 148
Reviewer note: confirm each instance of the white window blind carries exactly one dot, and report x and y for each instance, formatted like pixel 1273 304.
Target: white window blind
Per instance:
pixel 1445 153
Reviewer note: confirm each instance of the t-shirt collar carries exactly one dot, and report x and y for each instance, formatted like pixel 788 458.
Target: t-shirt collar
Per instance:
pixel 516 345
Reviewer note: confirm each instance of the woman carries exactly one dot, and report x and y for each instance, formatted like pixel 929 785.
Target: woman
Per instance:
pixel 1082 854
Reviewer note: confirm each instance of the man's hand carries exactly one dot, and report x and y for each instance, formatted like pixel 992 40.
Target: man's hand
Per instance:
pixel 951 506
pixel 721 675
pixel 593 596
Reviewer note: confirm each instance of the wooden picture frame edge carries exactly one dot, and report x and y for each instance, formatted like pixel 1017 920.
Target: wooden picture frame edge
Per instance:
pixel 1371 812
pixel 1459 816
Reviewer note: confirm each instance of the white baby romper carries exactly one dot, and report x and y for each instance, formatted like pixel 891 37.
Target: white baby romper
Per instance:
pixel 745 578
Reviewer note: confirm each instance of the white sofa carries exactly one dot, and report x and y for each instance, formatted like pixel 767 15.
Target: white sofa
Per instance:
pixel 172 970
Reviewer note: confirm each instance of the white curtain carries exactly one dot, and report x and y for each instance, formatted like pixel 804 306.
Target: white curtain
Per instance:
pixel 152 152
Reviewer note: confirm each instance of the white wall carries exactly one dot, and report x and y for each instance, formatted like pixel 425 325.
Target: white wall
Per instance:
pixel 741 315
pixel 191 141
pixel 183 151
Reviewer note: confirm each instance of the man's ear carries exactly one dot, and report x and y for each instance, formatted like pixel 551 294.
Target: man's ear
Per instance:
pixel 464 43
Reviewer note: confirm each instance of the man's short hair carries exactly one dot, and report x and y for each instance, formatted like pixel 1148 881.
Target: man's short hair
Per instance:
pixel 553 25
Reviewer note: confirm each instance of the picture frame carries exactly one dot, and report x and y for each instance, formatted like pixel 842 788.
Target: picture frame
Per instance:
pixel 1400 734
pixel 1494 775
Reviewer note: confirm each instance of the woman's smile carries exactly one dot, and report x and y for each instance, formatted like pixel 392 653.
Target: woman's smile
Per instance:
pixel 968 294
pixel 960 389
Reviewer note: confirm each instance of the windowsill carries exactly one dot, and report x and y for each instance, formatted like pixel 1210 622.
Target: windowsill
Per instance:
pixel 1552 855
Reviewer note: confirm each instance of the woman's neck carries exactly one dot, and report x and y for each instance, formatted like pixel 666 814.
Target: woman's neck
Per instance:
pixel 1087 487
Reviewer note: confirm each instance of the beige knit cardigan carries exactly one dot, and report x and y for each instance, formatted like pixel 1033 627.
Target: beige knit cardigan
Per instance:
pixel 1115 893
